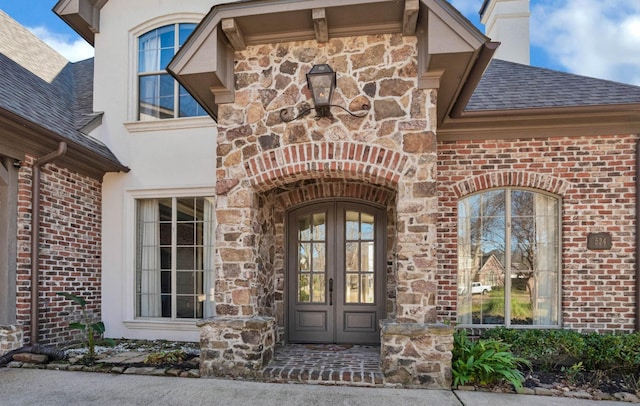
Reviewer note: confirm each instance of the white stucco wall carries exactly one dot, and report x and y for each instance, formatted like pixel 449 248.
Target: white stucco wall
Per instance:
pixel 507 21
pixel 167 157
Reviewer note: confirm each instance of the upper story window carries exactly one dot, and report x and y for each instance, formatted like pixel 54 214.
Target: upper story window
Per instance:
pixel 509 258
pixel 160 96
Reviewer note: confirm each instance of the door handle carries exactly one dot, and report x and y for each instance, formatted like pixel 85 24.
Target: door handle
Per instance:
pixel 330 291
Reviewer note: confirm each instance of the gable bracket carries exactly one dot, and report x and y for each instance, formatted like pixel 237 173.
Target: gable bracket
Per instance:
pixel 233 33
pixel 320 24
pixel 410 18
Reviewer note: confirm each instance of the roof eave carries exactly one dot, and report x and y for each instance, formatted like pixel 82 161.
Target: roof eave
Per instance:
pixel 81 15
pixel 21 136
pixel 543 122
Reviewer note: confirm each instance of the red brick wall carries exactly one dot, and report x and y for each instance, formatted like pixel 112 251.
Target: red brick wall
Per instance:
pixel 594 176
pixel 70 248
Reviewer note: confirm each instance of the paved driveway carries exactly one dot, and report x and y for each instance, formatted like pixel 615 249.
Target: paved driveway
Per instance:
pixel 20 386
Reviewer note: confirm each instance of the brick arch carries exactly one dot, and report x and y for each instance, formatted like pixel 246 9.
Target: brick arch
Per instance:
pixel 335 160
pixel 501 179
pixel 306 191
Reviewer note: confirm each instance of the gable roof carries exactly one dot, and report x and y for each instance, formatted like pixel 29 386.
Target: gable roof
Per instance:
pixel 44 100
pixel 451 52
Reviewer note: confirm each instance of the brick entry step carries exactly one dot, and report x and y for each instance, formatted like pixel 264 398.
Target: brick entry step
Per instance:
pixel 353 365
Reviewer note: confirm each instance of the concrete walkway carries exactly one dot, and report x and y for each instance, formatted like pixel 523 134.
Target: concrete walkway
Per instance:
pixel 20 386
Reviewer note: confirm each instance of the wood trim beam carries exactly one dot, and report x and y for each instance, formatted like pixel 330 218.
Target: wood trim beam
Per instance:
pixel 320 24
pixel 410 19
pixel 233 33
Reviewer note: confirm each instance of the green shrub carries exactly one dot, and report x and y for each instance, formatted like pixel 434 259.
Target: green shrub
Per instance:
pixel 612 351
pixel 546 348
pixel 554 349
pixel 484 362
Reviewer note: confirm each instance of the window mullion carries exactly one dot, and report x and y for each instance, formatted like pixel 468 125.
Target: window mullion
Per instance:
pixel 507 256
pixel 176 85
pixel 174 259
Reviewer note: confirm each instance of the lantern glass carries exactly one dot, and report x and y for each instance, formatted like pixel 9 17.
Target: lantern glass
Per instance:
pixel 321 81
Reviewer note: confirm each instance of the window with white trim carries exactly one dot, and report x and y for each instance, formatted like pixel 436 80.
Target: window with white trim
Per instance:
pixel 509 258
pixel 160 96
pixel 174 256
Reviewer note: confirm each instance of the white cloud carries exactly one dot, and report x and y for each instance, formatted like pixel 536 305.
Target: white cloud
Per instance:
pixel 590 37
pixel 72 49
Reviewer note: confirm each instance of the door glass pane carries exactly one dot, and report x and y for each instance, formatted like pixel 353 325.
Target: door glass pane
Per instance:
pixel 352 251
pixel 318 288
pixel 352 288
pixel 367 254
pixel 304 262
pixel 319 257
pixel 304 288
pixel 367 288
pixel 304 228
pixel 367 226
pixel 353 225
pixel 312 258
pixel 359 257
pixel 319 221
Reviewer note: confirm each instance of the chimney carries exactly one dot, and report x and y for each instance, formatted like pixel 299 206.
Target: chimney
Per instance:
pixel 507 21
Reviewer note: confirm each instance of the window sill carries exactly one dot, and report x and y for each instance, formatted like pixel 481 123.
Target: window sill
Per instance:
pixel 169 124
pixel 188 325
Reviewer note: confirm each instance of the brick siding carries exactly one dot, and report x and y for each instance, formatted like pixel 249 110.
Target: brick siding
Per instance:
pixel 70 250
pixel 594 176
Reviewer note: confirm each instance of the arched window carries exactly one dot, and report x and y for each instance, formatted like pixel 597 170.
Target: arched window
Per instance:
pixel 509 258
pixel 160 96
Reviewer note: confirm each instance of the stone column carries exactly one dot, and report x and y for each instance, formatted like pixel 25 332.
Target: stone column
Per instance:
pixel 237 341
pixel 415 351
pixel 235 347
pixel 416 354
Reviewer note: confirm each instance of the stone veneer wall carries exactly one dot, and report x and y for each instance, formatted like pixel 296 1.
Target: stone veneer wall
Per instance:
pixel 70 250
pixel 259 157
pixel 594 176
pixel 10 338
pixel 416 355
pixel 235 346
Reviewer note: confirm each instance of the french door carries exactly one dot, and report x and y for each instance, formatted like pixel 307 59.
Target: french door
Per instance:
pixel 336 267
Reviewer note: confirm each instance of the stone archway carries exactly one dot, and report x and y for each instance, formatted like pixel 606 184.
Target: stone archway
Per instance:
pixel 264 165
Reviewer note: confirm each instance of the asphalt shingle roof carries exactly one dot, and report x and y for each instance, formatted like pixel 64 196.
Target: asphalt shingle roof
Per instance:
pixel 63 106
pixel 509 86
pixel 41 86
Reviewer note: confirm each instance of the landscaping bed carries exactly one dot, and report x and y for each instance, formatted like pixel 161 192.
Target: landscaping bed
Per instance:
pixel 550 362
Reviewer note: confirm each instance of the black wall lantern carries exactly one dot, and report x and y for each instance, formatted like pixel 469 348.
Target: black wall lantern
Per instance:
pixel 321 81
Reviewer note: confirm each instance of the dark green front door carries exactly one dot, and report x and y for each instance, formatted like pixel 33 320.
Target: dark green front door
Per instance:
pixel 335 273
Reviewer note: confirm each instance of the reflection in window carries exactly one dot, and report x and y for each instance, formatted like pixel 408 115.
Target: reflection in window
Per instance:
pixel 174 256
pixel 312 258
pixel 359 257
pixel 160 96
pixel 508 258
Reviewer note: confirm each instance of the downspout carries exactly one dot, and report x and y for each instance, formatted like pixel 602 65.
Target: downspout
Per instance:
pixel 35 234
pixel 637 235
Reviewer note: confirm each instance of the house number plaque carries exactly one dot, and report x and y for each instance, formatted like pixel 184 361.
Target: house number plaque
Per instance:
pixel 599 241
